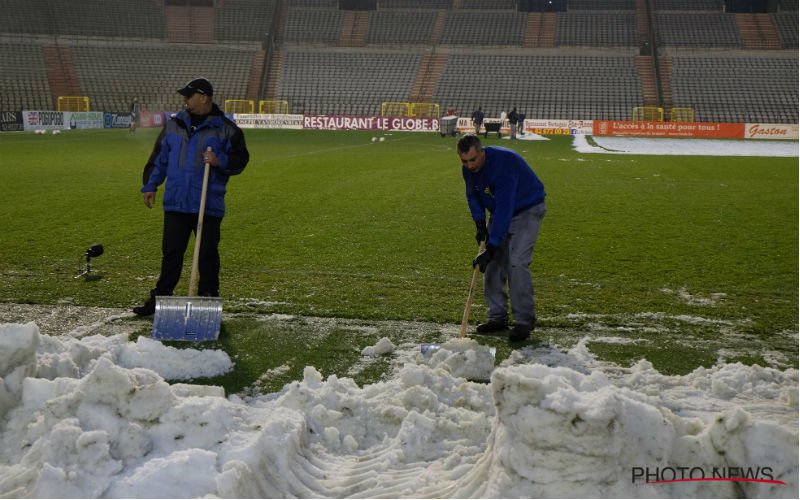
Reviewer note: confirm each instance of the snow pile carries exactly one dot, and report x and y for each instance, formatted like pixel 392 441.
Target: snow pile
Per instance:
pixel 172 363
pixel 383 347
pixel 79 419
pixel 561 433
pixel 462 357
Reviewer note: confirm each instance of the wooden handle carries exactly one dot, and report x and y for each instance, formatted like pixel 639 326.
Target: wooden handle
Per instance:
pixel 468 308
pixel 199 232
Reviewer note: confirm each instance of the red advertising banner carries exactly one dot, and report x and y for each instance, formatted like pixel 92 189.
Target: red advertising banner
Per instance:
pixel 149 119
pixel 384 123
pixel 705 130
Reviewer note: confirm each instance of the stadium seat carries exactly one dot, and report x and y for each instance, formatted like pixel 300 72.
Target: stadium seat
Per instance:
pixel 576 64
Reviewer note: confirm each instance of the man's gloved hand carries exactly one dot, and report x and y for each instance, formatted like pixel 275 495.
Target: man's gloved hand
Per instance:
pixel 483 258
pixel 481 234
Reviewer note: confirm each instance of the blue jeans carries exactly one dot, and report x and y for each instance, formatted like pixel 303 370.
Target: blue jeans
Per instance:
pixel 511 266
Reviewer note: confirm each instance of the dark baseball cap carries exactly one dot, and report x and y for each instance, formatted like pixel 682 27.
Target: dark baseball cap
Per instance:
pixel 198 85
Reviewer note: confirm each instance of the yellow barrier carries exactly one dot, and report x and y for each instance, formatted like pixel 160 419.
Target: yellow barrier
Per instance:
pixel 273 107
pixel 239 106
pixel 73 103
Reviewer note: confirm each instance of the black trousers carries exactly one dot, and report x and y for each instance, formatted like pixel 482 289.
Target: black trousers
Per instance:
pixel 178 227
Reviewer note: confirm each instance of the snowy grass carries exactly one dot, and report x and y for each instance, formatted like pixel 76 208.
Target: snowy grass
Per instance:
pixel 687 256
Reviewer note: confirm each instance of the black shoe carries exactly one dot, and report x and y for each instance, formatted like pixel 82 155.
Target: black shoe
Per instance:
pixel 492 327
pixel 147 309
pixel 520 333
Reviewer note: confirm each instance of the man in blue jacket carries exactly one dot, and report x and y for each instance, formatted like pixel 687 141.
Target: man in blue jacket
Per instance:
pixel 500 182
pixel 178 157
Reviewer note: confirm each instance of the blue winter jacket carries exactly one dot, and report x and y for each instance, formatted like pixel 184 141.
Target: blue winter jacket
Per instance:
pixel 178 158
pixel 505 186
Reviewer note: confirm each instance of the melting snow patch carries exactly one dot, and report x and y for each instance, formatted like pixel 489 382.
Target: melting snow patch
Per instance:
pixel 669 146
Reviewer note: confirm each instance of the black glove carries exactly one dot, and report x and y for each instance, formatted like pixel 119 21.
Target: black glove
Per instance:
pixel 483 258
pixel 481 234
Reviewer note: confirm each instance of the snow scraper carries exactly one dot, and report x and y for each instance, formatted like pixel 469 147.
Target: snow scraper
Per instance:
pixel 427 348
pixel 190 318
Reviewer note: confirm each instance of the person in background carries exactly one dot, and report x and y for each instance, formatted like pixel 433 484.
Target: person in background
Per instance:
pixel 179 156
pixel 499 181
pixel 513 120
pixel 477 120
pixel 134 108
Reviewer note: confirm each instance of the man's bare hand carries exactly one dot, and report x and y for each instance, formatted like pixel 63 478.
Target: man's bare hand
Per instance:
pixel 210 157
pixel 149 199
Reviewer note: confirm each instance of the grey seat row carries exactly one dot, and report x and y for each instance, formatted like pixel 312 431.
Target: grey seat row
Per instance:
pixel 155 73
pixel 314 80
pixel 552 86
pixel 722 88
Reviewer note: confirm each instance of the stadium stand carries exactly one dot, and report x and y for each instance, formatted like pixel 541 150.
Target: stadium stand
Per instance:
pixel 94 18
pixel 690 5
pixel 27 17
pixel 131 19
pixel 554 86
pixel 591 59
pixel 24 78
pixel 787 27
pixel 398 27
pixel 598 29
pixel 248 20
pixel 314 26
pixel 322 4
pixel 699 30
pixel 416 4
pixel 479 28
pixel 154 72
pixel 489 4
pixel 721 88
pixel 611 5
pixel 315 81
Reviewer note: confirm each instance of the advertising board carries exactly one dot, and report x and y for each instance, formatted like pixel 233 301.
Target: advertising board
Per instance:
pixel 698 130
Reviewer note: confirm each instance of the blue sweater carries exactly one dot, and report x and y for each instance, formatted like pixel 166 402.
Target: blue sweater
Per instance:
pixel 178 158
pixel 504 186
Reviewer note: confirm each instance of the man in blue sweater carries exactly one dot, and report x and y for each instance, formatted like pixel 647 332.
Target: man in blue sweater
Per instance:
pixel 178 158
pixel 500 182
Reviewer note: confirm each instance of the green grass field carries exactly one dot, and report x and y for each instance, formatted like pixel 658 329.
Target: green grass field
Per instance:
pixel 681 260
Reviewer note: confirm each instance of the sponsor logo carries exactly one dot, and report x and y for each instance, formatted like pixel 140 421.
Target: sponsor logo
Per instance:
pixel 579 126
pixel 116 120
pixel 386 123
pixel 44 119
pixel 86 119
pixel 121 121
pixel 283 121
pixel 553 131
pixel 11 121
pixel 48 118
pixel 758 130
